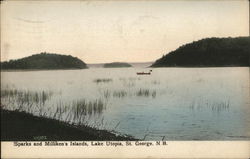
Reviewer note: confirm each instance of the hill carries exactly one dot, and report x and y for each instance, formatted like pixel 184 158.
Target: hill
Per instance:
pixel 116 64
pixel 209 52
pixel 45 61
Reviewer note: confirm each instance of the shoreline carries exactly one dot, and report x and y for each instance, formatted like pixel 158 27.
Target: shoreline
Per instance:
pixel 21 126
pixel 149 67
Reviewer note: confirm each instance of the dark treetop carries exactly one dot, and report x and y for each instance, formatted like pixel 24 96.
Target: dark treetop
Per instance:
pixel 209 52
pixel 45 61
pixel 116 64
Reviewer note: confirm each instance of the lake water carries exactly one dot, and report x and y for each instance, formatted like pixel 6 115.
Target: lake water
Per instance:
pixel 169 104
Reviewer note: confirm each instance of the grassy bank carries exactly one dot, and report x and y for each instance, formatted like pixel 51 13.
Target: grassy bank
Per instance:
pixel 21 126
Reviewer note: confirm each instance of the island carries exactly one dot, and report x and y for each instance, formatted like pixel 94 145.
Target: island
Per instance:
pixel 209 52
pixel 116 65
pixel 44 61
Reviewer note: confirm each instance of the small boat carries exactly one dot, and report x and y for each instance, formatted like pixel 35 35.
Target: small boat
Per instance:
pixel 144 73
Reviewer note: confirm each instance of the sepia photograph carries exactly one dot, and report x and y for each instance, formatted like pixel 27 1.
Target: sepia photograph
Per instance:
pixel 124 73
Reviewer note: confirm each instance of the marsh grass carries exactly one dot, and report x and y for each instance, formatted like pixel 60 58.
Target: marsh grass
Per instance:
pixel 23 100
pixel 103 80
pixel 130 92
pixel 79 111
pixel 120 94
pixel 106 94
pixel 219 106
pixel 213 106
pixel 76 112
pixel 146 93
pixel 27 96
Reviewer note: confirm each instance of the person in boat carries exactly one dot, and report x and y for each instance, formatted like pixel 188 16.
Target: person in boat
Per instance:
pixel 144 73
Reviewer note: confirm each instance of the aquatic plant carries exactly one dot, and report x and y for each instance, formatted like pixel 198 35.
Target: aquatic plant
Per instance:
pixel 106 94
pixel 213 106
pixel 75 112
pixel 219 106
pixel 120 93
pixel 78 110
pixel 103 80
pixel 24 100
pixel 146 93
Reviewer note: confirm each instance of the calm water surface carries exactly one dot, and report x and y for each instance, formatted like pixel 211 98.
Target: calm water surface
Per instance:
pixel 169 104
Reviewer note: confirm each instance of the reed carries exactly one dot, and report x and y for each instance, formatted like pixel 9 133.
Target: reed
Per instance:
pixel 213 106
pixel 219 106
pixel 79 110
pixel 120 94
pixel 146 93
pixel 103 80
pixel 106 94
pixel 35 103
pixel 23 100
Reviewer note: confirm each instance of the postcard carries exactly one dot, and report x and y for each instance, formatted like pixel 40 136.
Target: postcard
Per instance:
pixel 125 79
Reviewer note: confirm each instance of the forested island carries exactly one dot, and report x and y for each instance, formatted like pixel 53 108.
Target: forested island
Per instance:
pixel 45 61
pixel 209 52
pixel 116 65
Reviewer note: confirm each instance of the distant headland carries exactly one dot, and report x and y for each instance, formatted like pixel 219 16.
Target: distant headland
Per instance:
pixel 116 65
pixel 209 52
pixel 45 61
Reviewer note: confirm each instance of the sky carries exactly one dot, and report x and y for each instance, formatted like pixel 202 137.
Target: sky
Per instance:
pixel 101 31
